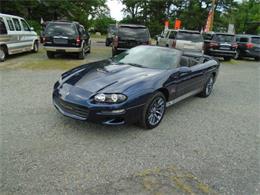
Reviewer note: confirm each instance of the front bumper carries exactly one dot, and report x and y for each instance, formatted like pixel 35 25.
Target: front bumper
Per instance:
pixel 63 49
pixel 107 115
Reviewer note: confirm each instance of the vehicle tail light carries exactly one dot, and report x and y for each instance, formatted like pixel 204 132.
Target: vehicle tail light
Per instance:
pixel 213 44
pixel 174 44
pixel 115 41
pixel 78 41
pixel 249 45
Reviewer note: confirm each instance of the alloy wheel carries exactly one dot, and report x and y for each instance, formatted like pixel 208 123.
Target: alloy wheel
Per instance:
pixel 209 86
pixel 156 111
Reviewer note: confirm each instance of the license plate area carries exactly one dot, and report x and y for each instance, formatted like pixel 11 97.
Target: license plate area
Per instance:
pixel 60 41
pixel 224 47
pixel 60 50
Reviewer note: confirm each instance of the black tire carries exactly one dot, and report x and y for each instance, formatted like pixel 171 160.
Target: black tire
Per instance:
pixel 35 47
pixel 50 54
pixel 238 55
pixel 89 49
pixel 156 104
pixel 227 58
pixel 3 53
pixel 257 58
pixel 81 54
pixel 208 87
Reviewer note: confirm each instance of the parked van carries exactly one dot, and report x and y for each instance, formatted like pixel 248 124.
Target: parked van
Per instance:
pixel 16 36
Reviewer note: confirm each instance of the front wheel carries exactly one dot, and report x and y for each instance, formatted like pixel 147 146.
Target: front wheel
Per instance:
pixel 153 112
pixel 227 58
pixel 208 87
pixel 257 58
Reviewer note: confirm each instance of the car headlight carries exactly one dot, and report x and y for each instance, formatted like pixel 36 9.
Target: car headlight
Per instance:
pixel 110 98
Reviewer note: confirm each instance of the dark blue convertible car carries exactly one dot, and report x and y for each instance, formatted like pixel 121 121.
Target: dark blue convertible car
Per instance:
pixel 134 86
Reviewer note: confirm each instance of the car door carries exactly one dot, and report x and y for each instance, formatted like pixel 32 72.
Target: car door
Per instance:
pixel 27 35
pixel 190 77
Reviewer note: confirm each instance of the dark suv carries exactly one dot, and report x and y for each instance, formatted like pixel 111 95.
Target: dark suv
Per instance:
pixel 248 46
pixel 66 37
pixel 220 45
pixel 128 36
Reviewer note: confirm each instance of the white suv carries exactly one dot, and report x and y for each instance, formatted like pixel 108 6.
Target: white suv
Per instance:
pixel 182 39
pixel 16 36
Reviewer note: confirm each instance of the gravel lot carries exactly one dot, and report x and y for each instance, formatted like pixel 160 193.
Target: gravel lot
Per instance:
pixel 215 140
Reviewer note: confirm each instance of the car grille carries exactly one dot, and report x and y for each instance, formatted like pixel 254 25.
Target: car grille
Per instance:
pixel 71 108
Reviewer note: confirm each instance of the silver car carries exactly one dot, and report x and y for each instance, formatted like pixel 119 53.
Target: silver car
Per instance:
pixel 16 36
pixel 186 40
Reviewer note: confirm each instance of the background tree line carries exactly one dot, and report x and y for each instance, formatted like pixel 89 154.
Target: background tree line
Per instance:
pixel 152 13
pixel 194 13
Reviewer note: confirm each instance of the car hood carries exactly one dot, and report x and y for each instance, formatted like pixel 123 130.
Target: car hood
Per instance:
pixel 109 77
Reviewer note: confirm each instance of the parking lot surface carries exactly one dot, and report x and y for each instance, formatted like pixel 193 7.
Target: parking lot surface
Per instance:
pixel 202 146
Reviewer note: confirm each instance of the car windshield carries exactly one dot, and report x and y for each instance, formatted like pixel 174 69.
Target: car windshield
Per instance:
pixel 189 36
pixel 256 40
pixel 149 57
pixel 133 32
pixel 60 29
pixel 225 38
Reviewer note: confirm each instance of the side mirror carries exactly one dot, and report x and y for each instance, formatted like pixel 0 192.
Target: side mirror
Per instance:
pixel 31 29
pixel 184 70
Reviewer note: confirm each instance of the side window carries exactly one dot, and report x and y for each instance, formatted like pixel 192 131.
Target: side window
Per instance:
pixel 82 30
pixel 17 24
pixel 25 25
pixel 237 39
pixel 172 35
pixel 2 27
pixel 10 24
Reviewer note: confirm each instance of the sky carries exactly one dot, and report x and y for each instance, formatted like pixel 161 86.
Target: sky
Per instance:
pixel 116 8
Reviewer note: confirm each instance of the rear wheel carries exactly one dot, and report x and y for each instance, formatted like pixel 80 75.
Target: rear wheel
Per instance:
pixel 50 54
pixel 257 58
pixel 208 87
pixel 227 58
pixel 2 54
pixel 153 112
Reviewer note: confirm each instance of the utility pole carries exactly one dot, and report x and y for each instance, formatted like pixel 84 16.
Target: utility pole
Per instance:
pixel 209 24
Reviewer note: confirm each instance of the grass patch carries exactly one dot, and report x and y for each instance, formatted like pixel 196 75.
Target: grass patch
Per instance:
pixel 64 62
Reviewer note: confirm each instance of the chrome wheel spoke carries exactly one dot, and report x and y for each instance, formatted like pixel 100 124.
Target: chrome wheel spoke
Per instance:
pixel 156 111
